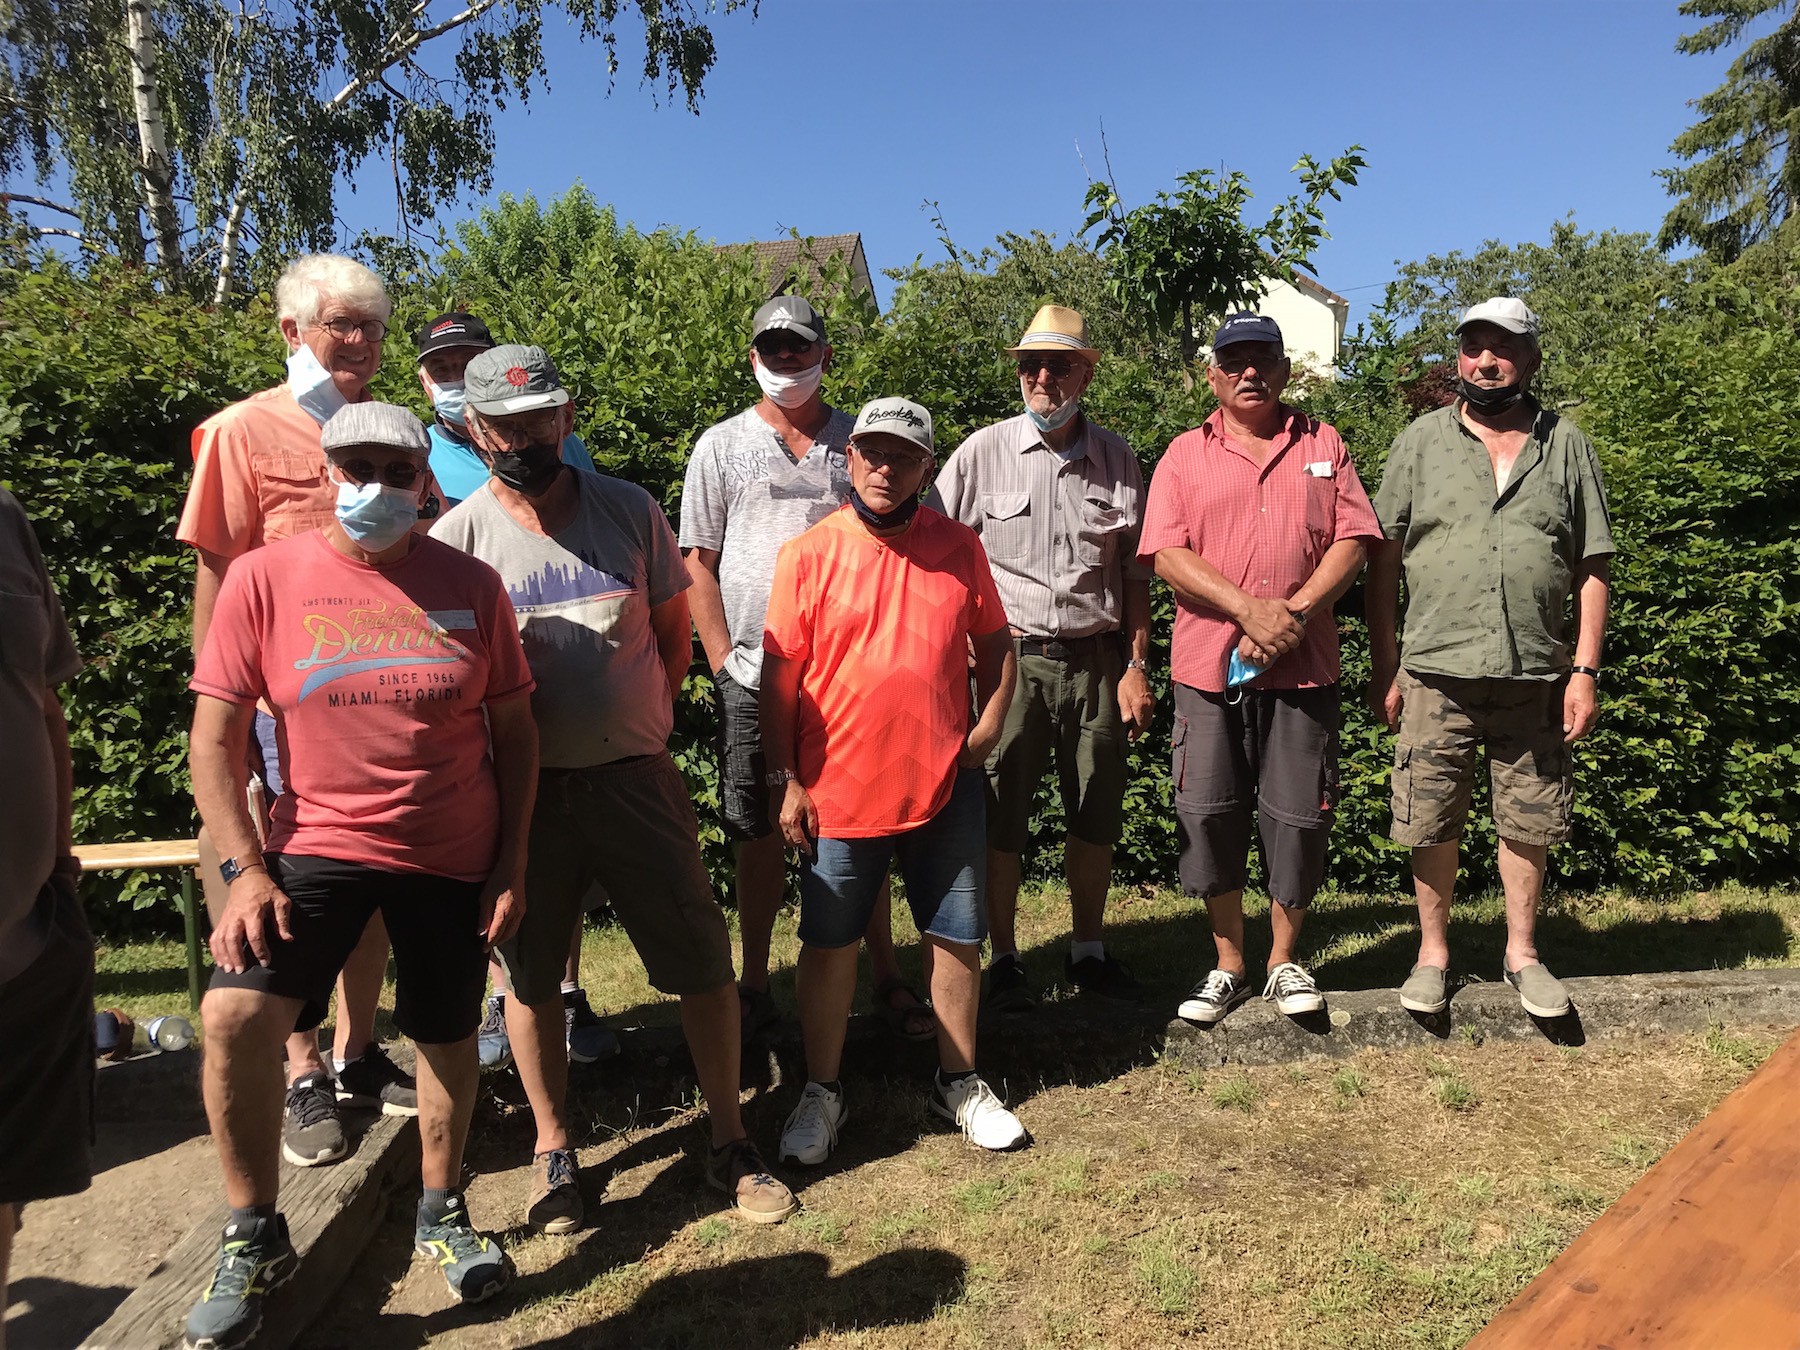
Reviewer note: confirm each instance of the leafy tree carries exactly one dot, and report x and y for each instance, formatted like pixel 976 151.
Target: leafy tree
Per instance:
pixel 1594 293
pixel 227 128
pixel 1740 180
pixel 1188 259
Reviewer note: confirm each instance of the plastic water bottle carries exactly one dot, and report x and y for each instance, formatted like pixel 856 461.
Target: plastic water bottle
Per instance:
pixel 169 1033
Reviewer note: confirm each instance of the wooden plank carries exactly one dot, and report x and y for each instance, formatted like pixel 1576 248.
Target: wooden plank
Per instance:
pixel 332 1212
pixel 147 853
pixel 1703 1252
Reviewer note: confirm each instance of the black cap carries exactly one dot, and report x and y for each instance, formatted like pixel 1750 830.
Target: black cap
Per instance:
pixel 454 329
pixel 1247 327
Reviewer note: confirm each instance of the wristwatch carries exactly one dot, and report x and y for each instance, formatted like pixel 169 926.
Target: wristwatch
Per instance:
pixel 1591 672
pixel 1135 664
pixel 231 869
pixel 776 777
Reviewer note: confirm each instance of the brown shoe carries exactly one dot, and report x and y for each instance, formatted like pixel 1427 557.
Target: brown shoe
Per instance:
pixel 739 1171
pixel 555 1205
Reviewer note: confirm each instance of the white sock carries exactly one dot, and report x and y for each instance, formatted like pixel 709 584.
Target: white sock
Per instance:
pixel 999 954
pixel 1080 951
pixel 571 986
pixel 337 1065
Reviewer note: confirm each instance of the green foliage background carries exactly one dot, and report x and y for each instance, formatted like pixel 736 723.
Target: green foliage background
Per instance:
pixel 1692 777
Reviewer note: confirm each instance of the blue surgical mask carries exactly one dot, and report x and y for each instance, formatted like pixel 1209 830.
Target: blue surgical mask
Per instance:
pixel 448 401
pixel 1053 421
pixel 312 386
pixel 375 515
pixel 1238 673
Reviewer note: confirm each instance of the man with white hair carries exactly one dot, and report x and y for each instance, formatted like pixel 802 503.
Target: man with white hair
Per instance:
pixel 1495 511
pixel 259 476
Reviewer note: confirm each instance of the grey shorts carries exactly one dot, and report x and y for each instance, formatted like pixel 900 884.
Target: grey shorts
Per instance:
pixel 1275 755
pixel 631 827
pixel 1444 721
pixel 743 790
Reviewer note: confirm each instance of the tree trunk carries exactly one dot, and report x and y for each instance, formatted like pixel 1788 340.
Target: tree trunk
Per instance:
pixel 153 144
pixel 228 243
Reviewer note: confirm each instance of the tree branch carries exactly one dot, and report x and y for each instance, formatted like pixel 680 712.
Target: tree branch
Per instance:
pixel 8 198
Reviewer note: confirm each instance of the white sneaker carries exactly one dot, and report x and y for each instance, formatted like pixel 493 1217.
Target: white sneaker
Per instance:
pixel 1292 990
pixel 811 1131
pixel 984 1120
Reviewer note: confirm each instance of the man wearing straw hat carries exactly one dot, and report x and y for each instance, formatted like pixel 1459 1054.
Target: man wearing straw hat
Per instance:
pixel 1058 502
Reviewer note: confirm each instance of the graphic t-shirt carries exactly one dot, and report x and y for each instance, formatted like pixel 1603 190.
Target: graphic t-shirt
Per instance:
pixel 881 627
pixel 377 676
pixel 460 473
pixel 583 600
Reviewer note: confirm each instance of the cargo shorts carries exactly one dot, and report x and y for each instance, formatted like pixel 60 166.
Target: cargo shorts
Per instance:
pixel 1444 720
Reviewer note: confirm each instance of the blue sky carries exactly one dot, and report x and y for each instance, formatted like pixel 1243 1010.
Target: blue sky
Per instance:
pixel 1478 122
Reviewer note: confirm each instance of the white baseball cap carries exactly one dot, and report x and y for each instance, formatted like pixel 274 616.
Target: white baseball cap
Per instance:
pixel 1503 312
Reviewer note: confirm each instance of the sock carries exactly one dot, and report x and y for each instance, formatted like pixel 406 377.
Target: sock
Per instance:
pixel 1080 951
pixel 337 1065
pixel 435 1206
pixel 835 1087
pixel 571 987
pixel 243 1219
pixel 999 956
pixel 947 1082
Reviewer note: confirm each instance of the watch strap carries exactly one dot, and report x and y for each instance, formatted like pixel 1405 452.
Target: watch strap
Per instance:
pixel 1592 672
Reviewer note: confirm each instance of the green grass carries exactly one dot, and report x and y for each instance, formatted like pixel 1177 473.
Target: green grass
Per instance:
pixel 1236 1093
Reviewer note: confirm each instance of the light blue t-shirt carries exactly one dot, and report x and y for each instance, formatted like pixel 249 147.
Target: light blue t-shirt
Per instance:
pixel 460 472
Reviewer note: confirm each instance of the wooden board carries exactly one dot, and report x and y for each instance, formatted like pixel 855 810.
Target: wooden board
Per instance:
pixel 147 853
pixel 331 1211
pixel 1702 1254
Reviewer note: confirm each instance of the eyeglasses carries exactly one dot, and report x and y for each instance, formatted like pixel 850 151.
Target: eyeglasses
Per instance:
pixel 782 344
pixel 1235 366
pixel 372 330
pixel 1058 367
pixel 892 459
pixel 533 426
pixel 397 473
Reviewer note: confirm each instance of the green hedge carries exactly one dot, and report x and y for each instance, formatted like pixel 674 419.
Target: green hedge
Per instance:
pixel 1692 776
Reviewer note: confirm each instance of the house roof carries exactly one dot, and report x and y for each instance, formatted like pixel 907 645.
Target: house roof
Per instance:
pixel 790 262
pixel 1306 283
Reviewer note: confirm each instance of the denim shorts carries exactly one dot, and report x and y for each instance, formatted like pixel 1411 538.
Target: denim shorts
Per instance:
pixel 943 863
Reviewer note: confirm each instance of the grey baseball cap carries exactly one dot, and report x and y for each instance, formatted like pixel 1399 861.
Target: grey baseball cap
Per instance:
pixel 386 425
pixel 793 313
pixel 512 379
pixel 895 417
pixel 1502 311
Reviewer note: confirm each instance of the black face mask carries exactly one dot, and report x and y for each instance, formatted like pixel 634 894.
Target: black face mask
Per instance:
pixel 531 470
pixel 875 520
pixel 1490 401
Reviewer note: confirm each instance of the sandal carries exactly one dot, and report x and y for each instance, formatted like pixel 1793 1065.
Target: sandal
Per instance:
pixel 912 1020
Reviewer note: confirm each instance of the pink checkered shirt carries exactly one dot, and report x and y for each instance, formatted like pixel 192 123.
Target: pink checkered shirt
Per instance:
pixel 1265 526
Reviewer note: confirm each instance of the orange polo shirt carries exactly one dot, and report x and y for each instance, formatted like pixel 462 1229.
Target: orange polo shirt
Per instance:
pixel 881 629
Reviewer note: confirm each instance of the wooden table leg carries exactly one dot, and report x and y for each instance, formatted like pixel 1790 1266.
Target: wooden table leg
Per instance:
pixel 192 923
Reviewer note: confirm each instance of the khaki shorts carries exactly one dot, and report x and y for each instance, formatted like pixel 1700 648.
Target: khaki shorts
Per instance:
pixel 1444 721
pixel 1066 706
pixel 631 827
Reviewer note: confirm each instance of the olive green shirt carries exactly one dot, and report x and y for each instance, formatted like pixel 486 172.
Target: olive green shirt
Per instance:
pixel 1489 575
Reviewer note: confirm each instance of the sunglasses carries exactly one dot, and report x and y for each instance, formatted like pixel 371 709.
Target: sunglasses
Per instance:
pixel 396 473
pixel 782 344
pixel 892 459
pixel 1057 366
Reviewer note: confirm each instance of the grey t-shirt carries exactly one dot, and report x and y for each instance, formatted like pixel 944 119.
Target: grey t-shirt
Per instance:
pixel 745 497
pixel 583 599
pixel 36 654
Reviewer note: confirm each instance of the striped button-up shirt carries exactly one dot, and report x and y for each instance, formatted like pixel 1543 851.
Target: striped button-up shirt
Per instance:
pixel 1265 525
pixel 1060 530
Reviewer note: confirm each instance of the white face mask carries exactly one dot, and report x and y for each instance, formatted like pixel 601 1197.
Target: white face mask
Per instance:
pixel 312 386
pixel 789 391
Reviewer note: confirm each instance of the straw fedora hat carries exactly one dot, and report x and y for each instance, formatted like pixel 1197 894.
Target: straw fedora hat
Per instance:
pixel 1056 328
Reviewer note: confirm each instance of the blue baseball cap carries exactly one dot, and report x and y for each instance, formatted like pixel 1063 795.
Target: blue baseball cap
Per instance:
pixel 1247 327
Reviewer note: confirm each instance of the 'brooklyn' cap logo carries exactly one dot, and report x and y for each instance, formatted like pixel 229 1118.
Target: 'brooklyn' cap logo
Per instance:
pixel 906 415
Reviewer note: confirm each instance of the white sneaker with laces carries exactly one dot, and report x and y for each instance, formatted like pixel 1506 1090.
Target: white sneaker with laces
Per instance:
pixel 1292 990
pixel 982 1117
pixel 811 1131
pixel 1213 997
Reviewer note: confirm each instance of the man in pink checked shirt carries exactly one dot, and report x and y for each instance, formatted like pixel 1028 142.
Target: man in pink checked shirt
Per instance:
pixel 1258 522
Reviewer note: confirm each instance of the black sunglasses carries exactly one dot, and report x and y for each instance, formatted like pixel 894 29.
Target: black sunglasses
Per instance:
pixel 1058 366
pixel 397 473
pixel 783 344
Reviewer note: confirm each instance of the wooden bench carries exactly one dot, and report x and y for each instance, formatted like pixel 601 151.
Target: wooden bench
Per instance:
pixel 150 856
pixel 1704 1251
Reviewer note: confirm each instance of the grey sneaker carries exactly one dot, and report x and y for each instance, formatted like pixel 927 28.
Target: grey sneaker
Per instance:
pixel 311 1132
pixel 1426 990
pixel 253 1260
pixel 372 1079
pixel 474 1265
pixel 492 1046
pixel 555 1204
pixel 1213 997
pixel 1540 993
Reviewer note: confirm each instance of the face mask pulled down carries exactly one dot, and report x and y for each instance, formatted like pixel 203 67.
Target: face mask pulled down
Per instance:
pixel 312 386
pixel 879 520
pixel 376 516
pixel 1490 401
pixel 1055 420
pixel 789 391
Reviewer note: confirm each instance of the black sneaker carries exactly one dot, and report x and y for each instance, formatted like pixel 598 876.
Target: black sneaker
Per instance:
pixel 1217 994
pixel 588 1039
pixel 311 1132
pixel 1007 987
pixel 1103 975
pixel 372 1079
pixel 253 1259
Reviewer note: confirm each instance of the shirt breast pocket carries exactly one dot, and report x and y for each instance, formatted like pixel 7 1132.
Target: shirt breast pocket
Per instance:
pixel 293 491
pixel 24 629
pixel 1101 525
pixel 1006 524
pixel 1321 510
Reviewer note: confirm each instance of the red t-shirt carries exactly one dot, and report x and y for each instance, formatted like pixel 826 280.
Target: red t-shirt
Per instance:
pixel 881 628
pixel 377 676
